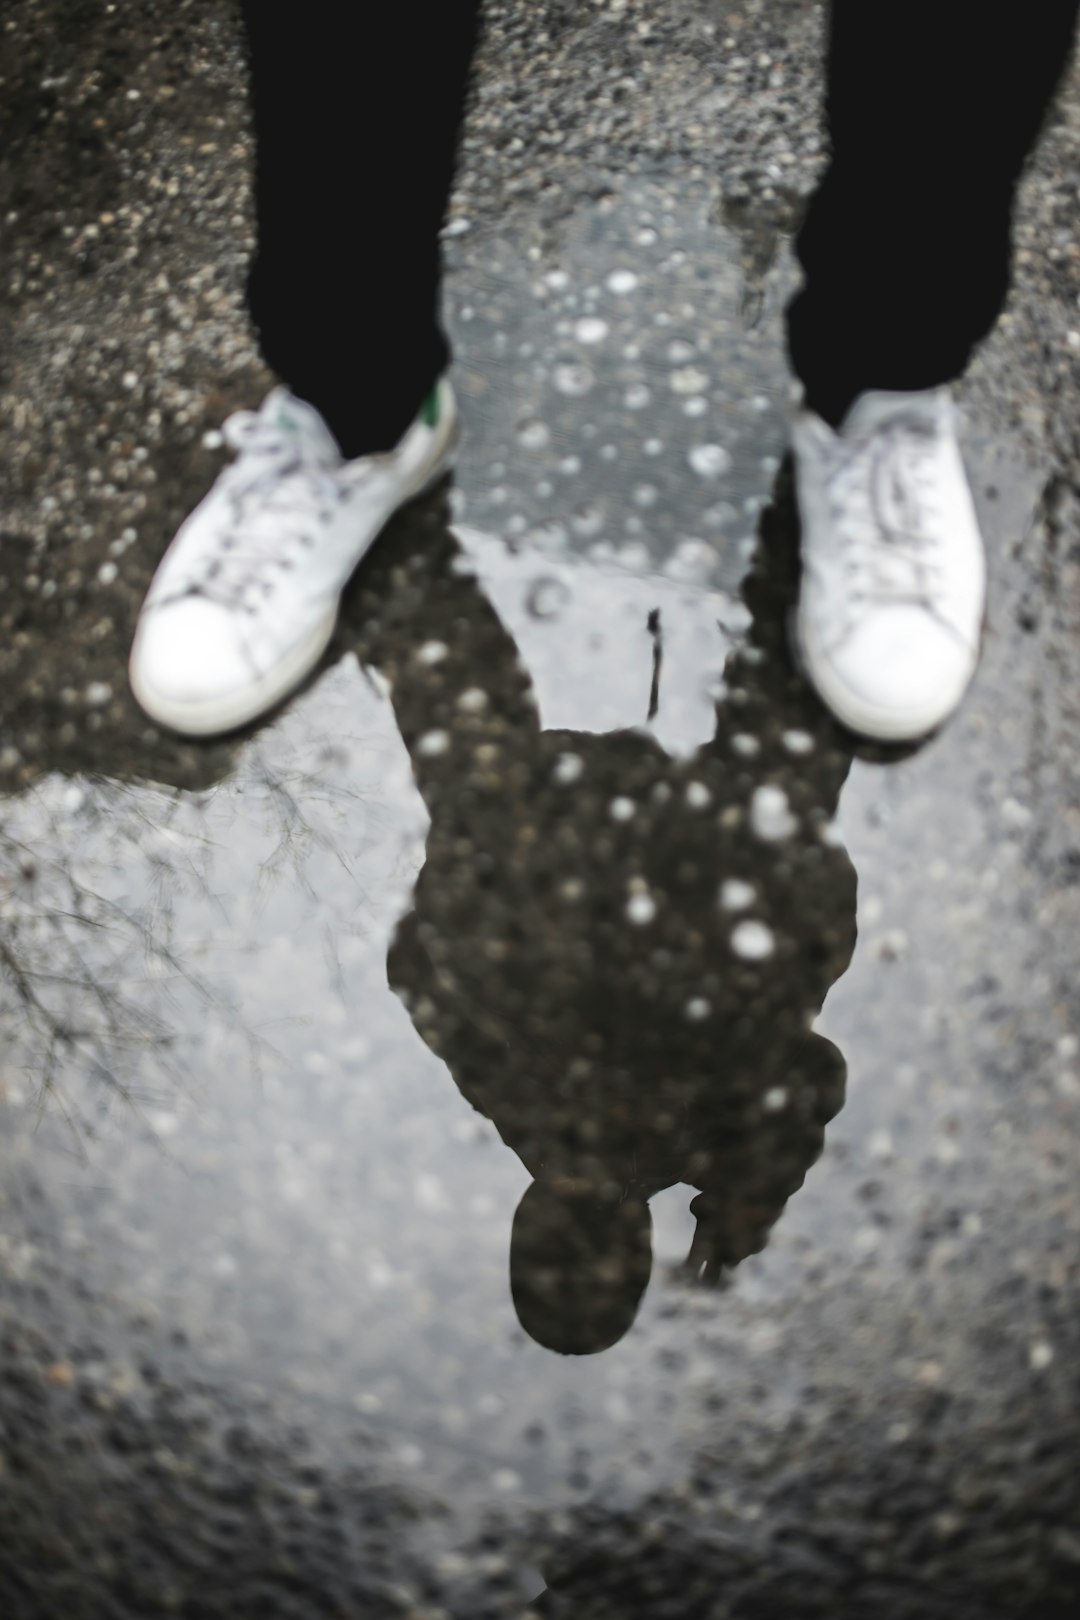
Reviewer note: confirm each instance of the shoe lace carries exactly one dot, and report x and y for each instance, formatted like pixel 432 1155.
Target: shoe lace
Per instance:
pixel 281 475
pixel 883 493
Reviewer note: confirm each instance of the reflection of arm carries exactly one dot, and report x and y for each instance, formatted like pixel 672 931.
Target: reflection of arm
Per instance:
pixel 464 706
pixel 458 687
pixel 748 1176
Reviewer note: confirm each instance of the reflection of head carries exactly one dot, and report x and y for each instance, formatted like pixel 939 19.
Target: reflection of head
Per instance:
pixel 578 1267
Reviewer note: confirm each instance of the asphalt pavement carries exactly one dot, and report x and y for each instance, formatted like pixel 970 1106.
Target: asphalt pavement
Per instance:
pixel 546 1123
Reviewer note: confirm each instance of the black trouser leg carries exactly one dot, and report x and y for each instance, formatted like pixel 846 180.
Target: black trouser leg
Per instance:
pixel 357 112
pixel 933 105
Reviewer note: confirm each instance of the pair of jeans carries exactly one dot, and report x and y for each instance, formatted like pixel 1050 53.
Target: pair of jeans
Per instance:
pixel 932 108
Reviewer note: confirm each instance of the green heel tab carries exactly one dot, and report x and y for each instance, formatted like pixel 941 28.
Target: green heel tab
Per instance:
pixel 429 410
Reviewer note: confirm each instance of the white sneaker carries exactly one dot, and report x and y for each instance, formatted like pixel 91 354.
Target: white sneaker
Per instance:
pixel 894 574
pixel 246 597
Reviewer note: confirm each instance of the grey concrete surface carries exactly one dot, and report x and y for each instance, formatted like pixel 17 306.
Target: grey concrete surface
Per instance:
pixel 555 892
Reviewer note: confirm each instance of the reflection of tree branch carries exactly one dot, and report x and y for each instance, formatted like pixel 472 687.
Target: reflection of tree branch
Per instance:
pixel 66 1006
pixel 297 836
pixel 97 976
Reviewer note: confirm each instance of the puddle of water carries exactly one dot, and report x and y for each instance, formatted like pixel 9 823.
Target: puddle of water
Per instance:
pixel 279 1158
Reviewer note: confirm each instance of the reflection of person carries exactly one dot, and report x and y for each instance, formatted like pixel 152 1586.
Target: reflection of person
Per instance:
pixel 619 956
pixel 932 110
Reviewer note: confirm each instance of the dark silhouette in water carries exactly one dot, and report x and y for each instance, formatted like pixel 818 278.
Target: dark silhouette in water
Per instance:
pixel 624 988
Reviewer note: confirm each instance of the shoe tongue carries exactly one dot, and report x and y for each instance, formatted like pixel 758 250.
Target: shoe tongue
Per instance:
pixel 296 418
pixel 877 407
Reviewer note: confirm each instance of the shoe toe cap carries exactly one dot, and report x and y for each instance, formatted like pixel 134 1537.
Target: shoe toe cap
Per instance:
pixel 188 655
pixel 898 677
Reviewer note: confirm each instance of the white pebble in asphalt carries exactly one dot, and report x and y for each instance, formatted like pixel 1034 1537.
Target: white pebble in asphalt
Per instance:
pixel 752 941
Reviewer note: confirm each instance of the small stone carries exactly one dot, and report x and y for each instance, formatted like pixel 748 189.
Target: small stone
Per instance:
pixel 798 742
pixel 710 460
pixel 1040 1356
pixel 697 1009
pixel 568 768
pixel 591 330
pixel 770 814
pixel 753 941
pixel 692 380
pixel 98 693
pixel 107 573
pixel 473 701
pixel 534 435
pixel 641 909
pixel 432 652
pixel 698 796
pixel 622 809
pixel 573 380
pixel 775 1100
pixel 433 743
pixel 735 895
pixel 622 282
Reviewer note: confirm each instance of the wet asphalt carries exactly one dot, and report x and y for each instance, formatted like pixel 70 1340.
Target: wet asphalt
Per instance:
pixel 547 1110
